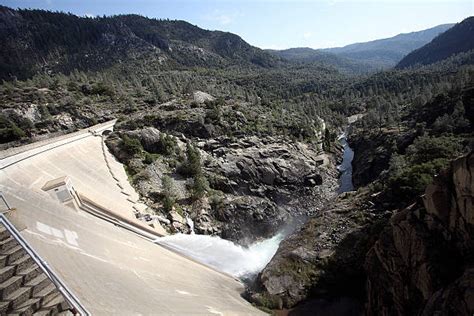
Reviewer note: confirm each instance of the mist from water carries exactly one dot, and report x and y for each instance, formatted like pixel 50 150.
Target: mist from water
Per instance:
pixel 224 255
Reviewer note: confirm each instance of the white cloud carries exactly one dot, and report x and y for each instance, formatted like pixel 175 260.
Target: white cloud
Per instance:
pixel 223 18
pixel 307 35
pixel 89 15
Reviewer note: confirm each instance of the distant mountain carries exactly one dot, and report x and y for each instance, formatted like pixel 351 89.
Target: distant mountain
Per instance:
pixel 388 52
pixel 309 55
pixel 37 40
pixel 364 57
pixel 458 39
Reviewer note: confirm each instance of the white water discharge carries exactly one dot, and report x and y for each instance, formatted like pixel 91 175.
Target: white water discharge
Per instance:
pixel 190 223
pixel 224 255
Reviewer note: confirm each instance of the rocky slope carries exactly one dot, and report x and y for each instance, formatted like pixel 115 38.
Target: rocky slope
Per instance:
pixel 257 186
pixel 325 259
pixel 419 262
pixel 458 39
pixel 31 44
pixel 272 177
pixel 422 263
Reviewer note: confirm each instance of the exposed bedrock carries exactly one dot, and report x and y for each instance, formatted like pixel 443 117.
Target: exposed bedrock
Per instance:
pixel 259 185
pixel 418 261
pixel 423 261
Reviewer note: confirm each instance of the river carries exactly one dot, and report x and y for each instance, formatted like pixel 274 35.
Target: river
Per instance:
pixel 346 166
pixel 238 261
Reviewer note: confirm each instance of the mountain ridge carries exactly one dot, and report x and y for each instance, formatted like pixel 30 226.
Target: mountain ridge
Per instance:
pixel 458 39
pixel 44 41
pixel 410 35
pixel 369 56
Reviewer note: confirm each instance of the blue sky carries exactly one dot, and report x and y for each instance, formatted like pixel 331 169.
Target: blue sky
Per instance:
pixel 282 23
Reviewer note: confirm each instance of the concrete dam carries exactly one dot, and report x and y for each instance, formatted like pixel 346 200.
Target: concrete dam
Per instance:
pixel 71 203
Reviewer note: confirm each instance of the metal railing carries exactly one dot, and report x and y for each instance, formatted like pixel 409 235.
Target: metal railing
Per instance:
pixel 5 206
pixel 73 301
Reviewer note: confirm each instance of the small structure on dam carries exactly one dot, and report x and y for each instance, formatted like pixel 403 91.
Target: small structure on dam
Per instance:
pixel 60 188
pixel 102 253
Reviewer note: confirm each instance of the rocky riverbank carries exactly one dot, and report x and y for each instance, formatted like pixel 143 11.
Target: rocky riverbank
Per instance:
pixel 257 186
pixel 356 254
pixel 325 258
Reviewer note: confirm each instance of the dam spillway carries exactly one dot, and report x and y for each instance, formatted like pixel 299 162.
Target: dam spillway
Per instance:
pixel 109 268
pixel 224 255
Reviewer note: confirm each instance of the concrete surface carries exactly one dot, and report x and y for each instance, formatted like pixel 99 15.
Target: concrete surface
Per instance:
pixel 93 171
pixel 111 270
pixel 14 154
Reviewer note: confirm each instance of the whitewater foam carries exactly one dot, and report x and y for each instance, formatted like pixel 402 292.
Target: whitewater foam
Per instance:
pixel 224 255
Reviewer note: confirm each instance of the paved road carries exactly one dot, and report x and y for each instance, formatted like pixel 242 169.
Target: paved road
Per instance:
pixel 111 270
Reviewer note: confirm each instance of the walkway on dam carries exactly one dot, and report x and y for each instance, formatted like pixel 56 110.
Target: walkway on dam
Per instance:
pixel 110 269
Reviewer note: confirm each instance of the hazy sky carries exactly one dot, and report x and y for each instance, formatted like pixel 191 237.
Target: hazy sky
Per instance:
pixel 282 23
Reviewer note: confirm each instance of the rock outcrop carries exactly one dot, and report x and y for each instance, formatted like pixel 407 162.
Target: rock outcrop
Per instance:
pixel 423 262
pixel 266 182
pixel 415 261
pixel 324 259
pixel 270 167
pixel 257 184
pixel 201 97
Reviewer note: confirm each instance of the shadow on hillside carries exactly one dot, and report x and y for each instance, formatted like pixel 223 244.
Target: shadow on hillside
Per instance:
pixel 341 290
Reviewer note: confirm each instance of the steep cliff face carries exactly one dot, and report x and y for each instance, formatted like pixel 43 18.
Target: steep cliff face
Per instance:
pixel 372 152
pixel 371 156
pixel 256 186
pixel 325 259
pixel 423 261
pixel 418 261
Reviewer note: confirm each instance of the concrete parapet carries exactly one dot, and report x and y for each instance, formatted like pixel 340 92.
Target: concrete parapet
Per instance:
pixel 11 156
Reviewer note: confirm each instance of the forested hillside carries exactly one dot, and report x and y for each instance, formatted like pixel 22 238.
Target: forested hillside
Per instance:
pixel 243 141
pixel 458 39
pixel 387 52
pixel 307 56
pixel 364 58
pixel 41 41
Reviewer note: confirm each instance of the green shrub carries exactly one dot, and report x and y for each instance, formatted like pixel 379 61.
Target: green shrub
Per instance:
pixel 98 88
pixel 412 180
pixel 213 115
pixel 216 200
pixel 199 187
pixel 9 131
pixel 130 108
pixel 428 148
pixel 169 194
pixel 131 146
pixel 409 174
pixel 192 163
pixel 45 115
pixel 149 158
pixel 167 145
